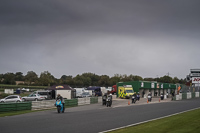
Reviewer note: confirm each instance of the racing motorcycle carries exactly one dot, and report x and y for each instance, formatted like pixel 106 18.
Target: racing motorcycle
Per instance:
pixel 133 99
pixel 104 100
pixel 161 96
pixel 138 97
pixel 59 105
pixel 109 101
pixel 149 97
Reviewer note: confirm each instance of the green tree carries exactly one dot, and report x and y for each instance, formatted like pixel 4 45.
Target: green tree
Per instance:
pixel 19 76
pixel 104 80
pixel 166 79
pixel 1 78
pixel 78 81
pixel 31 77
pixel 67 80
pixel 94 78
pixel 149 79
pixel 114 80
pixel 46 78
pixel 9 78
pixel 175 80
pixel 125 78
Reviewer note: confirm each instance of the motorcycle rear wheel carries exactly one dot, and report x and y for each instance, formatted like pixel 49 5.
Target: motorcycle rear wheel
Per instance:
pixel 58 109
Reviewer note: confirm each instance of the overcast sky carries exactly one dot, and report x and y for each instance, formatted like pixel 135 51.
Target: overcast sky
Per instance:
pixel 148 38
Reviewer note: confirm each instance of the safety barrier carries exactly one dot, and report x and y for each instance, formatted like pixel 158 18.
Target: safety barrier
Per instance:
pixel 71 102
pixel 93 100
pixel 193 95
pixel 40 105
pixel 188 95
pixel 196 94
pixel 46 104
pixel 184 95
pixel 84 101
pixel 5 107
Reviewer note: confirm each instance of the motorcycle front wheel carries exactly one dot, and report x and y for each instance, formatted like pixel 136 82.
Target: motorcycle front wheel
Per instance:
pixel 58 109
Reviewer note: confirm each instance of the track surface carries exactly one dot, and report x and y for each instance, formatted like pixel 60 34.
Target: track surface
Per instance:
pixel 91 118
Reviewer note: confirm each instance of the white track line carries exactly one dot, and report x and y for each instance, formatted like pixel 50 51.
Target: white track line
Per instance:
pixel 148 121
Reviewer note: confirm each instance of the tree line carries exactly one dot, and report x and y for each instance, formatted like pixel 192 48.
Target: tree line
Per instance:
pixel 83 80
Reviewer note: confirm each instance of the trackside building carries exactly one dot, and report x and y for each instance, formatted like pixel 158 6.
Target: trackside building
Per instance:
pixel 144 87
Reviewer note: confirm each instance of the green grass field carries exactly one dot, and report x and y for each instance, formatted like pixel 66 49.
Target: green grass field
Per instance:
pixel 3 86
pixel 188 122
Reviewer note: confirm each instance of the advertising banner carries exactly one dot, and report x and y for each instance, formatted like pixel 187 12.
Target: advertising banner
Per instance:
pixel 195 80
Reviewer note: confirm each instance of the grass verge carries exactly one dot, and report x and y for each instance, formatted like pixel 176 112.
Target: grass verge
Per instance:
pixel 11 113
pixel 182 123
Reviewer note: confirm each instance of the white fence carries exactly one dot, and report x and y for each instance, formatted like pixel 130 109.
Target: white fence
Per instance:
pixel 84 101
pixel 189 95
pixel 40 105
pixel 196 94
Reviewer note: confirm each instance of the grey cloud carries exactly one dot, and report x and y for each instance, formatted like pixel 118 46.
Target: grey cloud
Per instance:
pixel 141 37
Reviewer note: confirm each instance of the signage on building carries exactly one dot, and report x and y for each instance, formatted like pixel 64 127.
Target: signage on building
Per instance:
pixel 59 87
pixel 152 85
pixel 157 85
pixel 195 80
pixel 127 85
pixel 162 86
pixel 142 84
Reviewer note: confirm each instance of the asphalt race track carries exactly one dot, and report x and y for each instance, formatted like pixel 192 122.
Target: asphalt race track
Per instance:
pixel 91 118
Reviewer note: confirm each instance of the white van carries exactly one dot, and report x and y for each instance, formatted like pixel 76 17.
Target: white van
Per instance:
pixel 43 93
pixel 79 92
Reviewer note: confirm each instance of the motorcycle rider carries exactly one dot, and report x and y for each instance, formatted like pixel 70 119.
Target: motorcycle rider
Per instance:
pixel 135 95
pixel 61 99
pixel 104 97
pixel 138 96
pixel 110 98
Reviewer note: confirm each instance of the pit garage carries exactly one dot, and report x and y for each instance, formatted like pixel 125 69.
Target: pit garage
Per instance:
pixel 146 87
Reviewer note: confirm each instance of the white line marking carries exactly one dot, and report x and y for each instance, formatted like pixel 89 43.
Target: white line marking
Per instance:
pixel 148 121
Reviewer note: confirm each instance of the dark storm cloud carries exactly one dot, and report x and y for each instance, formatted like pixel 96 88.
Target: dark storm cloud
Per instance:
pixel 38 34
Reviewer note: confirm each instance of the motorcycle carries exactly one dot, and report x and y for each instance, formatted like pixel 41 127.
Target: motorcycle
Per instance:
pixel 109 101
pixel 59 105
pixel 161 96
pixel 133 99
pixel 149 97
pixel 138 97
pixel 104 100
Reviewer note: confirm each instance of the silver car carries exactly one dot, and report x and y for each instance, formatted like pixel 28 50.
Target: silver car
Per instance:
pixel 11 98
pixel 85 94
pixel 33 97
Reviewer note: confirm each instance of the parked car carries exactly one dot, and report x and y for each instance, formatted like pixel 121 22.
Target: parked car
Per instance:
pixel 33 97
pixel 85 94
pixel 11 98
pixel 43 93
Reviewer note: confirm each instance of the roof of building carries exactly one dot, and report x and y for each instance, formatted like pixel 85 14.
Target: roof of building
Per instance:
pixel 61 87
